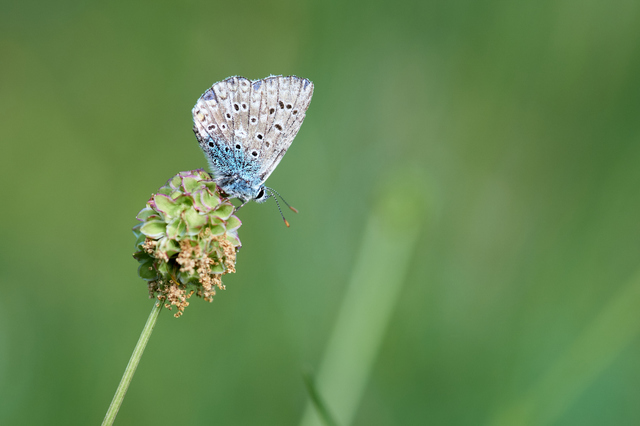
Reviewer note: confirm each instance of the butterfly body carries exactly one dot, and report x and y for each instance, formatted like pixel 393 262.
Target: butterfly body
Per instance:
pixel 245 127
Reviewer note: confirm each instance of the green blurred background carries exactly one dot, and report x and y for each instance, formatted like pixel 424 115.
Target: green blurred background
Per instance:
pixel 500 138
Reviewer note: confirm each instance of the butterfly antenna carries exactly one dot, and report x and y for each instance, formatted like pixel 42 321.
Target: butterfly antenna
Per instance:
pixel 278 204
pixel 283 200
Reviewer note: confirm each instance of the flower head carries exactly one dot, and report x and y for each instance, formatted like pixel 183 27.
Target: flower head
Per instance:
pixel 187 239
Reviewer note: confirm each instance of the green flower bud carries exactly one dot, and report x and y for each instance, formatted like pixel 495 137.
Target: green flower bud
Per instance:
pixel 187 239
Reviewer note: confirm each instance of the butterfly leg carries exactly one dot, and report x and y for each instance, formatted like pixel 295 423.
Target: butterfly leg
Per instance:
pixel 241 205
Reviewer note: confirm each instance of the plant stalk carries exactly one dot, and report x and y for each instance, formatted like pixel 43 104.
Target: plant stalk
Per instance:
pixel 112 412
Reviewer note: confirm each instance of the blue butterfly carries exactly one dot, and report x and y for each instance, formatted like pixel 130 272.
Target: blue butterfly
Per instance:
pixel 245 127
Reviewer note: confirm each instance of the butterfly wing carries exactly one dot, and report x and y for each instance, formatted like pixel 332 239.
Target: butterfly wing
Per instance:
pixel 247 126
pixel 284 103
pixel 220 117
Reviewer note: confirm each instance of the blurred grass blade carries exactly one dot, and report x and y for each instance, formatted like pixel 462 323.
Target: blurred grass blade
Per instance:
pixel 316 399
pixel 389 240
pixel 612 329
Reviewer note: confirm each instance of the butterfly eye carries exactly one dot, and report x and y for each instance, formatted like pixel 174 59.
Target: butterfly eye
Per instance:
pixel 260 193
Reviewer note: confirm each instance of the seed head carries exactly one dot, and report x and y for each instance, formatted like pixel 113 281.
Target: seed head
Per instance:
pixel 187 239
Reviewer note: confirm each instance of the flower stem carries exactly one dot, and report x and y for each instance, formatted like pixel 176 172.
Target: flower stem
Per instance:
pixel 112 412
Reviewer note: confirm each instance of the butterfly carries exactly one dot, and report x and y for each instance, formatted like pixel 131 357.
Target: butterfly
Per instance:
pixel 246 126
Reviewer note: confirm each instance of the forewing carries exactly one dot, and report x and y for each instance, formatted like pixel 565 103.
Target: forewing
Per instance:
pixel 241 123
pixel 286 101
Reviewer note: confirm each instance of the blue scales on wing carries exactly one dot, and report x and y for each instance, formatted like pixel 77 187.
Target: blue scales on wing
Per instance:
pixel 245 127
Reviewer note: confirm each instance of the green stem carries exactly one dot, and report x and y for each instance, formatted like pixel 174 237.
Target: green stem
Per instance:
pixel 112 412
